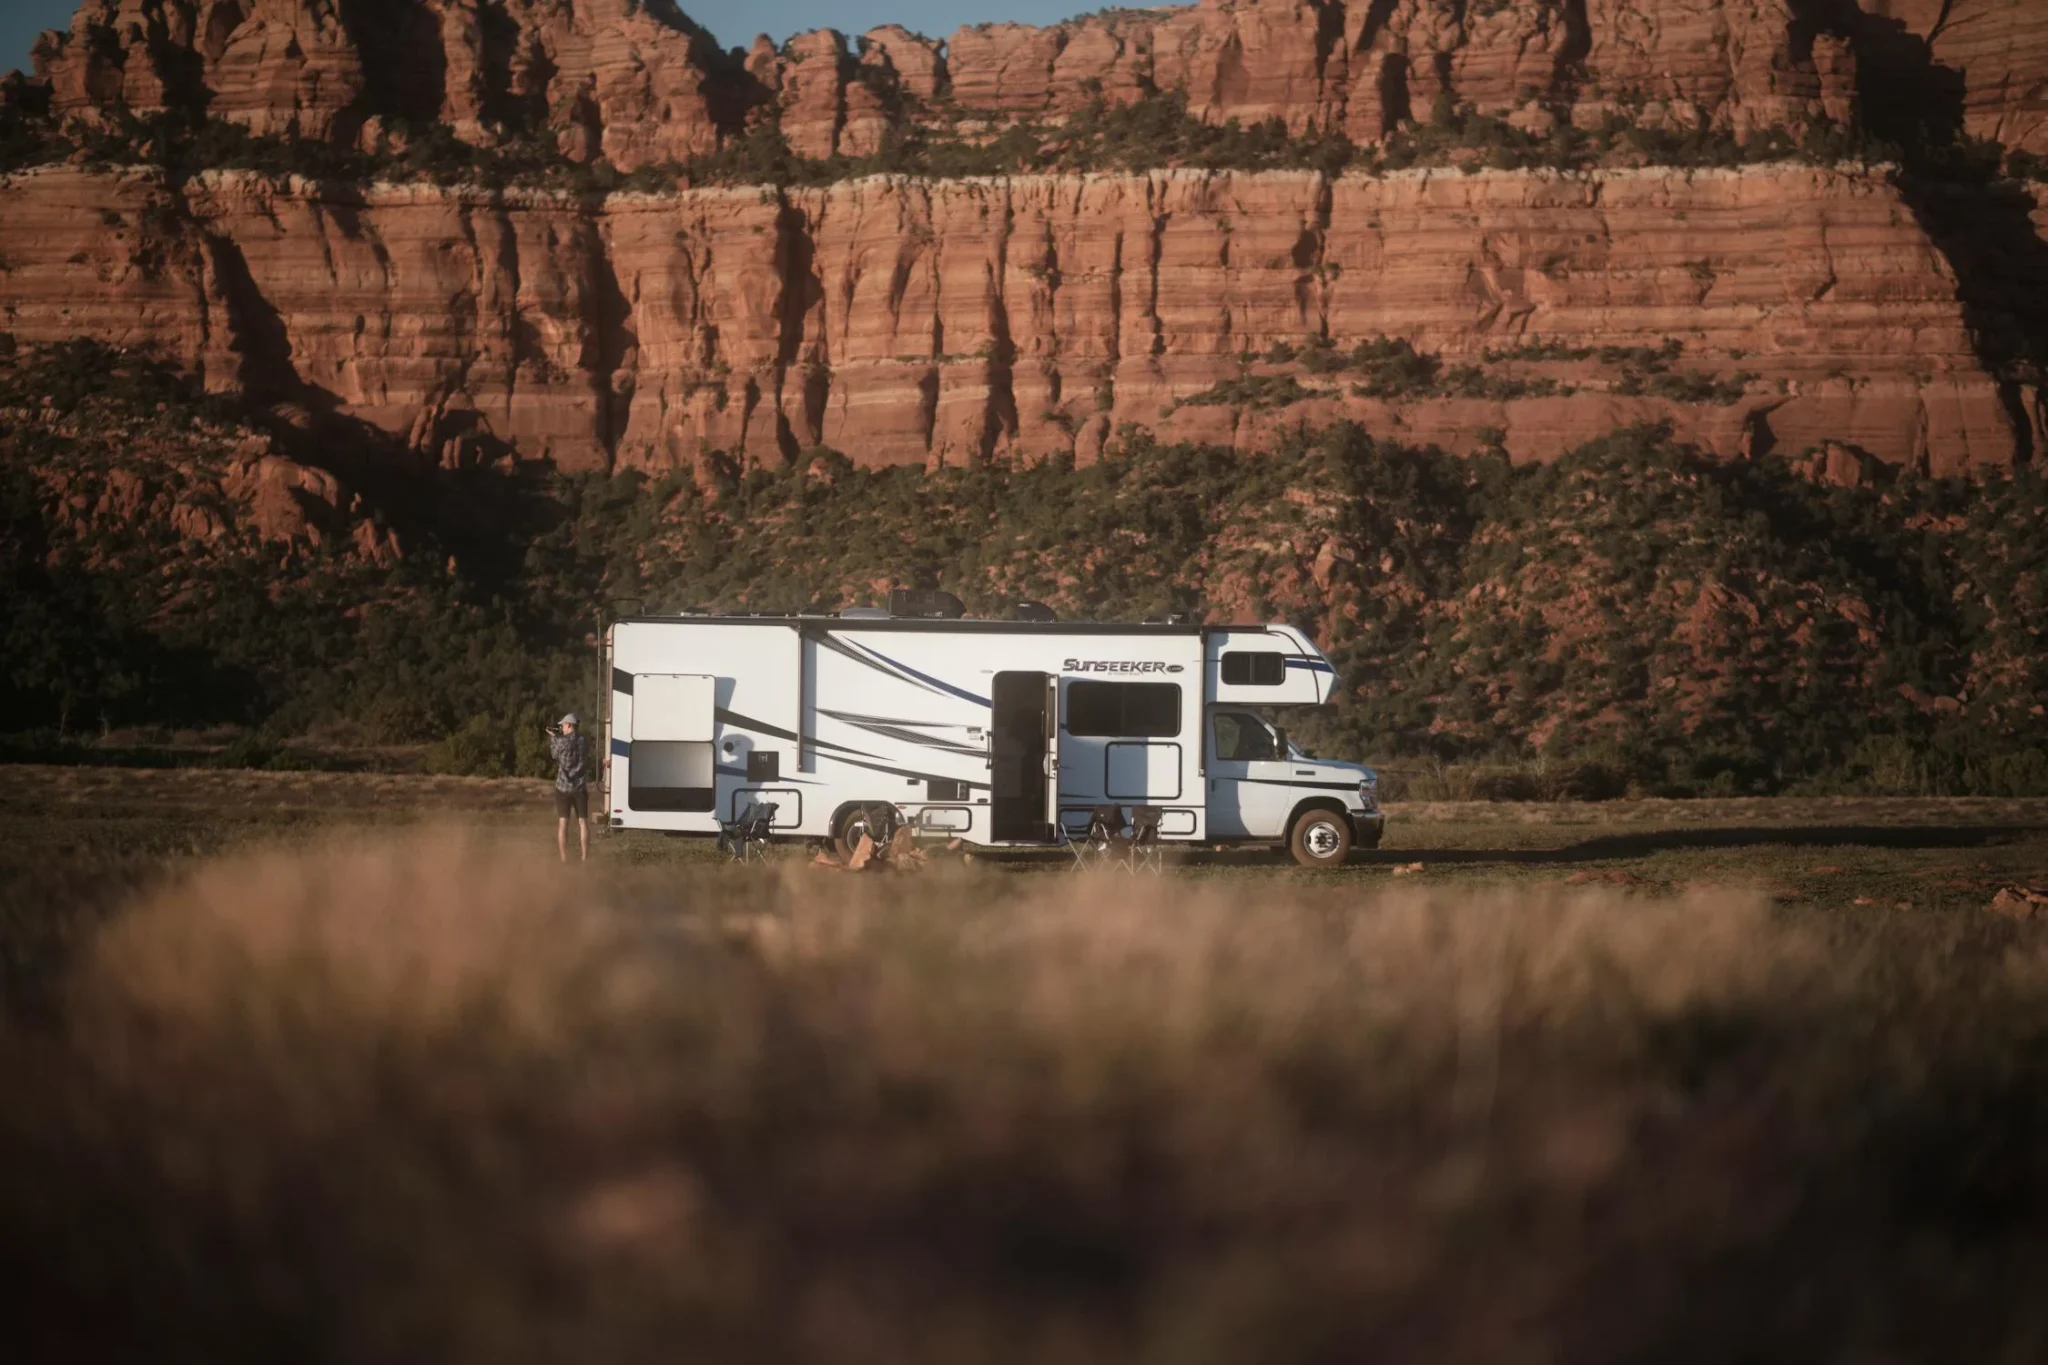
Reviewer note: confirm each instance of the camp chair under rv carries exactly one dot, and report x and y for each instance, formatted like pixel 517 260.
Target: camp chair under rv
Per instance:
pixel 746 837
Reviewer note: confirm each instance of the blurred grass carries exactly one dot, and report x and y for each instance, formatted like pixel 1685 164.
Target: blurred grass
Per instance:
pixel 80 839
pixel 402 1094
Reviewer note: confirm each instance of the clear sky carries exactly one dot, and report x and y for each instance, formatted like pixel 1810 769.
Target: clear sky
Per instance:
pixel 734 21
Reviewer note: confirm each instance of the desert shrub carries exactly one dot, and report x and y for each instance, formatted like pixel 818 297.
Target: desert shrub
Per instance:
pixel 1256 391
pixel 1588 781
pixel 1687 386
pixel 28 136
pixel 1470 381
pixel 481 746
pixel 1510 786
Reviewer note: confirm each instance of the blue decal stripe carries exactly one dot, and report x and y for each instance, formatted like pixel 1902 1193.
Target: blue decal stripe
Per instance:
pixel 928 680
pixel 1312 665
pixel 864 658
pixel 622 748
pixel 887 667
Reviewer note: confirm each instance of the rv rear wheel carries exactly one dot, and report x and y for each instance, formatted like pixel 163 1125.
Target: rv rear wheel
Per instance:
pixel 878 821
pixel 1320 838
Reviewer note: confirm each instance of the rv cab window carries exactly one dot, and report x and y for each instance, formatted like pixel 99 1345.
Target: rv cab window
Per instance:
pixel 1123 710
pixel 1254 668
pixel 1244 738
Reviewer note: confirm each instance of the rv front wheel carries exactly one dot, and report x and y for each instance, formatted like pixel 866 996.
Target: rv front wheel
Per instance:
pixel 1320 839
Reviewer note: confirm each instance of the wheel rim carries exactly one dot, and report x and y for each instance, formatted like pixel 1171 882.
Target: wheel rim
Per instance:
pixel 860 822
pixel 1321 839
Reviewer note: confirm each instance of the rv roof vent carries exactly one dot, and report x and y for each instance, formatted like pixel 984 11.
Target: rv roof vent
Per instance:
pixel 864 614
pixel 1032 611
pixel 927 603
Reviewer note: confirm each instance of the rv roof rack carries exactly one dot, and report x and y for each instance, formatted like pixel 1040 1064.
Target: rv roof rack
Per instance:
pixel 927 604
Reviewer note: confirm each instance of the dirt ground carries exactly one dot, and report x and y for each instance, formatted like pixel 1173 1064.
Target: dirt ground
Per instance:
pixel 1863 853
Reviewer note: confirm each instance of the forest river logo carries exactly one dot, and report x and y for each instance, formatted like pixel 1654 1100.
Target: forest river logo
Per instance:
pixel 1117 666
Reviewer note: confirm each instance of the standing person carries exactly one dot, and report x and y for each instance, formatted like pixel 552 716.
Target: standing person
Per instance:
pixel 572 784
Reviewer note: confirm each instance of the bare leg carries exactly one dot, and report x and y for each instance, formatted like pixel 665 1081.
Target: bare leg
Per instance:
pixel 583 837
pixel 562 838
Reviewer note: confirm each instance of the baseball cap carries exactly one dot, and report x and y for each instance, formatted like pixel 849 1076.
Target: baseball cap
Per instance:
pixel 570 719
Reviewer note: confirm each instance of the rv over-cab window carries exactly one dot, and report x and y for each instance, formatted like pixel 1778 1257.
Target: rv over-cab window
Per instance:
pixel 1253 668
pixel 1123 710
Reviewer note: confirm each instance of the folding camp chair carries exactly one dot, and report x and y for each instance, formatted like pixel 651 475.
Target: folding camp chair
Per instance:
pixel 1099 845
pixel 1142 850
pixel 746 836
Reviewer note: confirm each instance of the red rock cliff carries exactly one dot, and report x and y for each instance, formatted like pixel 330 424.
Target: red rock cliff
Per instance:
pixel 639 83
pixel 905 320
pixel 941 322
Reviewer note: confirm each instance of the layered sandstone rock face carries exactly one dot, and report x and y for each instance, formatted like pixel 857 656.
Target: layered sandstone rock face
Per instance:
pixel 639 84
pixel 1986 61
pixel 629 81
pixel 907 321
pixel 1363 67
pixel 941 322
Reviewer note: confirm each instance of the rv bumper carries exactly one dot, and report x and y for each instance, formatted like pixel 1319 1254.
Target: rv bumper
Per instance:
pixel 1366 828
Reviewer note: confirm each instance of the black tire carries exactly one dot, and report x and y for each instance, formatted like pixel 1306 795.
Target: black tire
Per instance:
pixel 876 819
pixel 1320 838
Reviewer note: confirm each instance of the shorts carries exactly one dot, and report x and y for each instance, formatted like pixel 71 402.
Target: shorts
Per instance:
pixel 576 803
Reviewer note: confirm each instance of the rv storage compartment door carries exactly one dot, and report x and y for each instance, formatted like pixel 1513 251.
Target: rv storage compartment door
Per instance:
pixel 672 766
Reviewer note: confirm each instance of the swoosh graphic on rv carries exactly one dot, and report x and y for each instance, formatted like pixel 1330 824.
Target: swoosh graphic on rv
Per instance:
pixel 936 684
pixel 763 727
pixel 864 659
pixel 896 730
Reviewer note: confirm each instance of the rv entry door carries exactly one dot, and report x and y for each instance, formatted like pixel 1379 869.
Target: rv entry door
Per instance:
pixel 1023 757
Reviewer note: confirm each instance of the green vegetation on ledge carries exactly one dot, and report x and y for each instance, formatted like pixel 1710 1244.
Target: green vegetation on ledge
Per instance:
pixel 1635 610
pixel 1156 130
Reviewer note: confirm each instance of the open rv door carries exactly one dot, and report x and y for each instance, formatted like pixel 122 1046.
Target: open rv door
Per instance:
pixel 1052 756
pixel 1024 770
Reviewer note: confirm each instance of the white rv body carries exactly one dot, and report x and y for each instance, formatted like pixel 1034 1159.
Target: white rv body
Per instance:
pixel 1000 733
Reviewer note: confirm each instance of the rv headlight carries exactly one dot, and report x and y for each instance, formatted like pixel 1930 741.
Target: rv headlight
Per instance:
pixel 1369 789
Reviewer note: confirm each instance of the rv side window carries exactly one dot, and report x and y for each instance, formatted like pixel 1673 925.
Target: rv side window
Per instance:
pixel 1254 668
pixel 1244 739
pixel 1123 710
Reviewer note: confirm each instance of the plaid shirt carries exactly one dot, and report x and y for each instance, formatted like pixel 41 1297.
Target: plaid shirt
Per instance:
pixel 572 762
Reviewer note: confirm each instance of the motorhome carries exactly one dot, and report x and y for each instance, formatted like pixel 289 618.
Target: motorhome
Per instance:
pixel 1001 733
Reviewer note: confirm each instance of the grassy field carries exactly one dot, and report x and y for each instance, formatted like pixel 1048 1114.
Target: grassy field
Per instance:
pixel 116 824
pixel 346 1067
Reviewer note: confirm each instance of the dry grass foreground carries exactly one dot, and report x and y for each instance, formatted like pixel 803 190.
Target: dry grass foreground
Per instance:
pixel 421 1097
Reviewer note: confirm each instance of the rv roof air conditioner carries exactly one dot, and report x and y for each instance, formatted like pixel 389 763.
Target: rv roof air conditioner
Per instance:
pixel 864 614
pixel 927 604
pixel 1032 611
